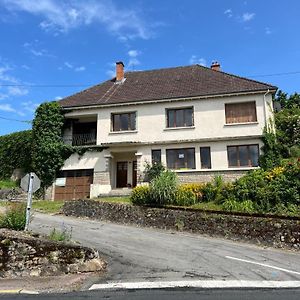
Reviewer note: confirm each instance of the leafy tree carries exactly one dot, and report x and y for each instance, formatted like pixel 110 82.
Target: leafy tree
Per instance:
pixel 49 150
pixel 15 152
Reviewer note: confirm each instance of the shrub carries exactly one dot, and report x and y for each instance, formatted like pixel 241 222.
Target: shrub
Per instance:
pixel 15 217
pixel 235 206
pixel 185 197
pixel 213 191
pixel 140 195
pixel 163 189
pixel 195 188
pixel 153 171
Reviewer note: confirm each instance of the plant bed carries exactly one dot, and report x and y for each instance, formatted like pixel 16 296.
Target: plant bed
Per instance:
pixel 280 232
pixel 22 254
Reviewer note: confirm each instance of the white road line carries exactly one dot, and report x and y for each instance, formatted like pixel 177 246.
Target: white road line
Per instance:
pixel 205 284
pixel 263 265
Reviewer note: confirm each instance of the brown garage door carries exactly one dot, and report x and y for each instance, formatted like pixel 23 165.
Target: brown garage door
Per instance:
pixel 73 185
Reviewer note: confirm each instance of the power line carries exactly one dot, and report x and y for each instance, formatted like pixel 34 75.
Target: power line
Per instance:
pixel 16 120
pixel 275 74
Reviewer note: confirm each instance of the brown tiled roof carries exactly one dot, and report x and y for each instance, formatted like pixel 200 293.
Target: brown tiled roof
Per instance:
pixel 179 82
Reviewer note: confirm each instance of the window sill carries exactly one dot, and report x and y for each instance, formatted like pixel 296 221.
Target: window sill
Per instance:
pixel 123 132
pixel 216 170
pixel 237 124
pixel 179 128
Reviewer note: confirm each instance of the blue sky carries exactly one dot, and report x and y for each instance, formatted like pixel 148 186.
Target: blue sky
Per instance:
pixel 53 48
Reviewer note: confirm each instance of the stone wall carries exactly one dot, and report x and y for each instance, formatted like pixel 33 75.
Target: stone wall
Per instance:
pixel 268 231
pixel 206 176
pixel 25 255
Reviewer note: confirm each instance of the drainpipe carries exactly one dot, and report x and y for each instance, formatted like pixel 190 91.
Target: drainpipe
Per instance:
pixel 265 109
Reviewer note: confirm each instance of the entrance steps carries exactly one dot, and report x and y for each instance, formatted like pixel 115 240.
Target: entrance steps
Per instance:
pixel 121 192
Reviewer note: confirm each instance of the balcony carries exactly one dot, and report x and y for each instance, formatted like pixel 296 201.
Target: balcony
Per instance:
pixel 81 132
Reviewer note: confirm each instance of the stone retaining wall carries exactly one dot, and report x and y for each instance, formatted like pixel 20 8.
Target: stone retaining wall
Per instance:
pixel 276 232
pixel 25 255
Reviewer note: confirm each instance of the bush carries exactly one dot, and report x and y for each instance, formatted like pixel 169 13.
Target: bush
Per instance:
pixel 235 206
pixel 213 191
pixel 15 217
pixel 195 188
pixel 140 195
pixel 153 171
pixel 185 196
pixel 163 189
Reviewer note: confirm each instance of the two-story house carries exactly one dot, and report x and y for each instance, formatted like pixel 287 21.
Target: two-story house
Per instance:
pixel 195 120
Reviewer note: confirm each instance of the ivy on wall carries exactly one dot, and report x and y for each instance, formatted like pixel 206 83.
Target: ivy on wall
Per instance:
pixel 15 152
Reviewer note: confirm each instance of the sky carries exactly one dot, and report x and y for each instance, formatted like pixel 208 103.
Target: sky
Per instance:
pixel 50 49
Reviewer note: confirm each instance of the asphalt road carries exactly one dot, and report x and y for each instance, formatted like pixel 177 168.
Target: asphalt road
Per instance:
pixel 145 254
pixel 180 294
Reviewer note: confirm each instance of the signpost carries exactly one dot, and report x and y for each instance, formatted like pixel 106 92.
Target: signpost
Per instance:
pixel 30 183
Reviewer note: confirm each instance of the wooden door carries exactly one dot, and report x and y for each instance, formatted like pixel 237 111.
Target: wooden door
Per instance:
pixel 122 167
pixel 134 173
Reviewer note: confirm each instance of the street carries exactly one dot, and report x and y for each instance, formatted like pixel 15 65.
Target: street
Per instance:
pixel 174 294
pixel 144 254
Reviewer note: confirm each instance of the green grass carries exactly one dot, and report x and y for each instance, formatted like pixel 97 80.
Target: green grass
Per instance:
pixel 4 184
pixel 114 199
pixel 207 206
pixel 47 206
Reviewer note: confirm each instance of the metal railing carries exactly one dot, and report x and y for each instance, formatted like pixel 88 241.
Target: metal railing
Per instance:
pixel 81 139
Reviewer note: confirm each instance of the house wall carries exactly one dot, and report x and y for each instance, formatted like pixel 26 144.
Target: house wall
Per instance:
pixel 209 120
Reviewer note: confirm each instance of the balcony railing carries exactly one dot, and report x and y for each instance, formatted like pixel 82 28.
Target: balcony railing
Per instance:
pixel 81 139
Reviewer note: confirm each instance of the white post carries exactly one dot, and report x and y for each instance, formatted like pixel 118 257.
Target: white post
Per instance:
pixel 29 200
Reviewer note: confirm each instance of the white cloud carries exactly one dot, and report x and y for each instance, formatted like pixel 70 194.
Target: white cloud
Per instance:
pixel 196 60
pixel 68 65
pixel 111 73
pixel 62 16
pixel 58 98
pixel 34 49
pixel 228 12
pixel 133 53
pixel 80 69
pixel 17 91
pixel 246 17
pixel 7 108
pixel 268 31
pixel 29 106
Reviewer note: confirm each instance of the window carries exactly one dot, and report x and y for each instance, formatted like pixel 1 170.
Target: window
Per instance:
pixel 205 158
pixel 240 112
pixel 124 121
pixel 182 117
pixel 181 158
pixel 243 156
pixel 156 156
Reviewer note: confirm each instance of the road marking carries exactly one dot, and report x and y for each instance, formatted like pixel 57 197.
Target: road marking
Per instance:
pixel 263 265
pixel 205 284
pixel 19 291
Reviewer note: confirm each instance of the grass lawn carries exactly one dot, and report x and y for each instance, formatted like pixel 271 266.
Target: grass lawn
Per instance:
pixel 7 184
pixel 49 207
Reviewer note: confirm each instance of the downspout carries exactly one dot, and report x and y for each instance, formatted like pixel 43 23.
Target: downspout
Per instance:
pixel 265 109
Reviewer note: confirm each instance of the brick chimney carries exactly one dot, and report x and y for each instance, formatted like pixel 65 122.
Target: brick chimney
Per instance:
pixel 119 71
pixel 215 66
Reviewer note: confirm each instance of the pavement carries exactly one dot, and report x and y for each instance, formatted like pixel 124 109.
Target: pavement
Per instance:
pixel 151 256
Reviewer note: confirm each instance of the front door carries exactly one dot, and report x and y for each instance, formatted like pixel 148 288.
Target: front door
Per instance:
pixel 134 173
pixel 122 167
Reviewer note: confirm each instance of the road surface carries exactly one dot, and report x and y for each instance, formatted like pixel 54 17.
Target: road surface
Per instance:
pixel 144 254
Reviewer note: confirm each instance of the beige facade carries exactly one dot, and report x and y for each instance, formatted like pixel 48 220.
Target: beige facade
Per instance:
pixel 128 151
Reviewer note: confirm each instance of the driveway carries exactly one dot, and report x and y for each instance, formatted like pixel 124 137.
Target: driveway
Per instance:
pixel 145 254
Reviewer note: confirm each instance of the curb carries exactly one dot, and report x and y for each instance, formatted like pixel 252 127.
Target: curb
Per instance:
pixel 18 291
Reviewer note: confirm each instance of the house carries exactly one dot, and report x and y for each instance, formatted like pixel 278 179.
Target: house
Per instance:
pixel 195 120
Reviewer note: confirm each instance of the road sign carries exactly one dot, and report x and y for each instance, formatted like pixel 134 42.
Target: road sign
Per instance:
pixel 36 182
pixel 29 183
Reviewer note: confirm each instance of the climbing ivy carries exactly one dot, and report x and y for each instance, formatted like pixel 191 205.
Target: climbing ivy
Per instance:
pixel 49 150
pixel 15 152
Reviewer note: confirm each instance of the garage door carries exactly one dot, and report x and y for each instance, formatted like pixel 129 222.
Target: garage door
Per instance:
pixel 73 185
